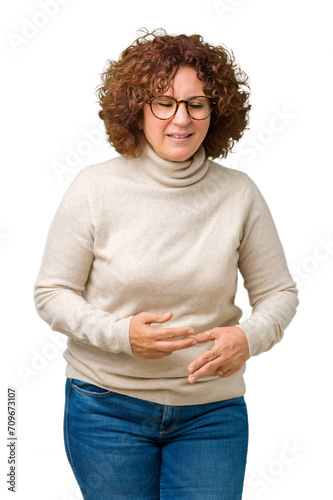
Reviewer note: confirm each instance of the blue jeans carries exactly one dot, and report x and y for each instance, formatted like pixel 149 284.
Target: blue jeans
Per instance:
pixel 127 448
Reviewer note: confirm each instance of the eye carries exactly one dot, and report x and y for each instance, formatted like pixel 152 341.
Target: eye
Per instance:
pixel 164 102
pixel 196 105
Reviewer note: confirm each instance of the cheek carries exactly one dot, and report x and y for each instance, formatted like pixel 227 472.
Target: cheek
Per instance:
pixel 203 128
pixel 152 128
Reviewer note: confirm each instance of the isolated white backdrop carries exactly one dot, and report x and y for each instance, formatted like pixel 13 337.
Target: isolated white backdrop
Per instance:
pixel 53 53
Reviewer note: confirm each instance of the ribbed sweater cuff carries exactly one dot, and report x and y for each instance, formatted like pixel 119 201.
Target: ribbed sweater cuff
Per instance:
pixel 121 332
pixel 253 336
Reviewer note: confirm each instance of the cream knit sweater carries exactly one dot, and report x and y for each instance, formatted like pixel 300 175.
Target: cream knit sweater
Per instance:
pixel 146 234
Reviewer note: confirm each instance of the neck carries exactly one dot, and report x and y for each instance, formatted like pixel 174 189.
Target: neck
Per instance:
pixel 157 171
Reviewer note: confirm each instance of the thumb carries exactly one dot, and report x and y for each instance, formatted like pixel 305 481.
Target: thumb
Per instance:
pixel 158 317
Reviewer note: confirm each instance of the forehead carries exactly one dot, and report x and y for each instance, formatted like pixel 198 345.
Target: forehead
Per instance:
pixel 185 83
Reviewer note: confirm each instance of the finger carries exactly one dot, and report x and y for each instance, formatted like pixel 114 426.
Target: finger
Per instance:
pixel 158 349
pixel 226 374
pixel 165 333
pixel 206 336
pixel 209 369
pixel 156 317
pixel 202 360
pixel 172 333
pixel 222 372
pixel 175 345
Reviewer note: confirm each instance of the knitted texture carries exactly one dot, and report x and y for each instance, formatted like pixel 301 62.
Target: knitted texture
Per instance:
pixel 146 234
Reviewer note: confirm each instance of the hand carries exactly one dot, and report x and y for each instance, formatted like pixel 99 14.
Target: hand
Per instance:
pixel 231 352
pixel 155 343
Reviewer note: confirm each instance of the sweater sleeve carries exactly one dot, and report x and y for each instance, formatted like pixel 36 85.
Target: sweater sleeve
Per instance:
pixel 65 267
pixel 272 292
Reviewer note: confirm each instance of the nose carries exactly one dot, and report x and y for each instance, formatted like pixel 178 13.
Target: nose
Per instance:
pixel 182 117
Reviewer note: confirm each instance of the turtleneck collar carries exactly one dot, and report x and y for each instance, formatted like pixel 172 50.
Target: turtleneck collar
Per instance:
pixel 157 171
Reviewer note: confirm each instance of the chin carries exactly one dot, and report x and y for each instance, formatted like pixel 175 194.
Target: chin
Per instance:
pixel 176 154
pixel 179 156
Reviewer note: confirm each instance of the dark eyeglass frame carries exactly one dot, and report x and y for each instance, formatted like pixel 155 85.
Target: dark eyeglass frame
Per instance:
pixel 150 102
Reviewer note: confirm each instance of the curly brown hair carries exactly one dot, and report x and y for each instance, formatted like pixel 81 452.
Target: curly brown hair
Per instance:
pixel 147 67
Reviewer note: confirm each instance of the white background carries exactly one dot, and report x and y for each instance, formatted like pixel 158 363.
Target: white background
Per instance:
pixel 53 57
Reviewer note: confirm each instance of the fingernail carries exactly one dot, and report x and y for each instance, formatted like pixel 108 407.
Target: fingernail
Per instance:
pixel 190 331
pixel 191 369
pixel 192 380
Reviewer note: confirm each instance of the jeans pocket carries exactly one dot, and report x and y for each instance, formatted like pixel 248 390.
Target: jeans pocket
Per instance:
pixel 89 389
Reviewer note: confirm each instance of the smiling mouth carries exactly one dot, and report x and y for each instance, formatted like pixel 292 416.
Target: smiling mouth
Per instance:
pixel 177 136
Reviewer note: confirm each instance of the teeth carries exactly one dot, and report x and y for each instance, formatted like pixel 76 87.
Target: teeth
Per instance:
pixel 180 136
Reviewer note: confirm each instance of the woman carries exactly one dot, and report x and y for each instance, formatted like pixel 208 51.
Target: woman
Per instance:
pixel 140 272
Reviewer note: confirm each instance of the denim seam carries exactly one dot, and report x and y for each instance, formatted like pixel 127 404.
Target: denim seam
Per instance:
pixel 90 393
pixel 66 430
pixel 173 425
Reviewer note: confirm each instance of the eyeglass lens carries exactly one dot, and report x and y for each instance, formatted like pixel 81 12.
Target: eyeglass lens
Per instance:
pixel 164 107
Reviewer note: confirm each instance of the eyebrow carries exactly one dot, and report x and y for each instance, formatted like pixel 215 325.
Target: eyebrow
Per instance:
pixel 194 95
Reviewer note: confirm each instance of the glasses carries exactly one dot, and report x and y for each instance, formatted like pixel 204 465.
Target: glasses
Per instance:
pixel 165 107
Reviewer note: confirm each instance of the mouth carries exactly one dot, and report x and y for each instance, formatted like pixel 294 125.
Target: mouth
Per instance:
pixel 179 136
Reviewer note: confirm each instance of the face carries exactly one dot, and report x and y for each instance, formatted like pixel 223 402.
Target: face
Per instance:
pixel 180 137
